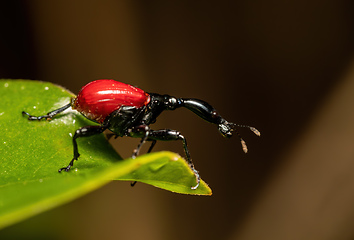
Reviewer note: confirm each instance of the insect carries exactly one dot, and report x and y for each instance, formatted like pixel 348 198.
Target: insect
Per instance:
pixel 128 111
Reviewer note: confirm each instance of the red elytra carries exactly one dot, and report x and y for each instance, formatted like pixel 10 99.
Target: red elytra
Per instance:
pixel 98 99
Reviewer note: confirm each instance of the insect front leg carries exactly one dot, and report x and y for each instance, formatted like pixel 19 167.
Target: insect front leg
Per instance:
pixel 173 135
pixel 168 135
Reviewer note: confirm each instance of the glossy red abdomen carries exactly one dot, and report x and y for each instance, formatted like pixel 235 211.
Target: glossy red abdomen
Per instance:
pixel 98 99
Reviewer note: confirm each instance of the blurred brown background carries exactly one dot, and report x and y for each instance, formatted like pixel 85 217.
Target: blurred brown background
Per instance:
pixel 285 67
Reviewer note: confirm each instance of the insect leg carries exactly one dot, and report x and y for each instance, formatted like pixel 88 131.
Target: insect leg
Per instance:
pixel 153 142
pixel 49 115
pixel 173 135
pixel 82 132
pixel 143 130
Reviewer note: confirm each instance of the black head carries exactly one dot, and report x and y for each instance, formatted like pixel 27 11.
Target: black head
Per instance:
pixel 227 129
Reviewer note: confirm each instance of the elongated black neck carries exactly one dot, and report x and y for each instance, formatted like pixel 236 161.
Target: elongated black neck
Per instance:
pixel 208 113
pixel 159 103
pixel 201 108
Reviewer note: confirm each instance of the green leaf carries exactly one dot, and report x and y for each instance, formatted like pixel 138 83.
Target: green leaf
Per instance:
pixel 167 171
pixel 33 151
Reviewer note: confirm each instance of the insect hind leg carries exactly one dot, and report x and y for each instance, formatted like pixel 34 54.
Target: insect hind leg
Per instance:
pixel 49 115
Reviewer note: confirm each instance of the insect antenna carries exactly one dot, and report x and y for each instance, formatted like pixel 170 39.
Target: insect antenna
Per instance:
pixel 243 143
